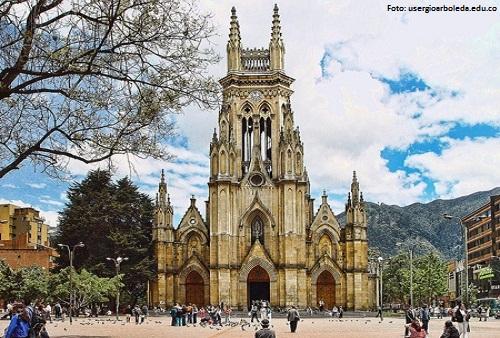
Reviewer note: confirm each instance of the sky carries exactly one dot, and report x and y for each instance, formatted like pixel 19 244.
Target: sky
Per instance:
pixel 409 100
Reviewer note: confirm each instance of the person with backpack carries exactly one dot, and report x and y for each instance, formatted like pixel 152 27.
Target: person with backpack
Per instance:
pixel 425 317
pixel 19 326
pixel 293 318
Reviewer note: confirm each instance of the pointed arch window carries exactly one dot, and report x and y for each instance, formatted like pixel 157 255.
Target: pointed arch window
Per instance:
pixel 257 230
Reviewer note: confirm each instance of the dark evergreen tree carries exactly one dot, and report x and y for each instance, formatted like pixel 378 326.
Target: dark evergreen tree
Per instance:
pixel 111 219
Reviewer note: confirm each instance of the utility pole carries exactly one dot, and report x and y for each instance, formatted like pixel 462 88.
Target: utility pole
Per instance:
pixel 117 262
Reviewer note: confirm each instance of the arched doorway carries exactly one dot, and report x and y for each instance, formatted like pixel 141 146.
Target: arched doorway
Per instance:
pixel 195 293
pixel 258 285
pixel 325 289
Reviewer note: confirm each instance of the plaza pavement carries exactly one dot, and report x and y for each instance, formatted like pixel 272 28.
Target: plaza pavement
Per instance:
pixel 158 327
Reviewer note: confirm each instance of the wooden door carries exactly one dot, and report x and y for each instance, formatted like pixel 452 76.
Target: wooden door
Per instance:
pixel 195 289
pixel 325 289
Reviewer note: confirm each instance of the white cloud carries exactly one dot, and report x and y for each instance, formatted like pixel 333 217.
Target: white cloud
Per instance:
pixel 37 185
pixel 464 167
pixel 51 202
pixel 8 185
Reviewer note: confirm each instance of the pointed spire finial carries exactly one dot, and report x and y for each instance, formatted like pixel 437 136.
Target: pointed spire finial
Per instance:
pixel 162 179
pixel 354 178
pixel 324 197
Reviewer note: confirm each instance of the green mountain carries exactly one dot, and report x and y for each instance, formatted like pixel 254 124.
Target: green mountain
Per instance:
pixel 421 225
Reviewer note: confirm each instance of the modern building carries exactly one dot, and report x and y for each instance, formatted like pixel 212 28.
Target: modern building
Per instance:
pixel 483 229
pixel 261 237
pixel 15 221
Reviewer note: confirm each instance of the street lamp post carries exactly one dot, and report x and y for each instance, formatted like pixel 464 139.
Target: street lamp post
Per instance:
pixel 70 254
pixel 381 300
pixel 117 262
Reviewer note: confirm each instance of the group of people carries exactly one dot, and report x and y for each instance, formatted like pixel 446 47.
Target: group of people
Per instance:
pixel 417 322
pixel 139 313
pixel 262 308
pixel 26 321
pixel 337 312
pixel 183 315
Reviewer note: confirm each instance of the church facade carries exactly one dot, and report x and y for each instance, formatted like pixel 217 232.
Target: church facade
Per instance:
pixel 261 237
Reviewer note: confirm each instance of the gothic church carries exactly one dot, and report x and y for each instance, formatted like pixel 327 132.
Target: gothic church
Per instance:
pixel 261 237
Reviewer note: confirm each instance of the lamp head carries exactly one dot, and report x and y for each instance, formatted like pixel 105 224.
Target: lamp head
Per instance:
pixel 447 216
pixel 380 259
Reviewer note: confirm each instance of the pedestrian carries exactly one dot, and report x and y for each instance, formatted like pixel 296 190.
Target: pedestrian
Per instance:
pixel 341 311
pixel 173 314
pixel 462 316
pixel 480 312
pixel 410 316
pixel 137 314
pixel 9 312
pixel 293 318
pixel 253 312
pixel 19 326
pixel 335 311
pixel 379 312
pixel 321 305
pixel 450 331
pixel 265 332
pixel 425 317
pixel 487 314
pixel 48 313
pixel 128 313
pixel 195 313
pixel 227 314
pixel 58 310
pixel 189 310
pixel 145 312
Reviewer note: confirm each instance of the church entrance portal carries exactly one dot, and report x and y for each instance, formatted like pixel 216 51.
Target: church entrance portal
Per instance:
pixel 195 293
pixel 325 289
pixel 258 285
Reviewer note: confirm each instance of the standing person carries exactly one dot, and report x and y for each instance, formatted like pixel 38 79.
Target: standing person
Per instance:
pixel 58 310
pixel 379 313
pixel 450 331
pixel 9 311
pixel 321 305
pixel 480 312
pixel 189 310
pixel 462 318
pixel 48 313
pixel 265 332
pixel 335 311
pixel 425 317
pixel 19 326
pixel 293 318
pixel 410 317
pixel 341 311
pixel 137 314
pixel 195 313
pixel 145 311
pixel 128 313
pixel 173 314
pixel 227 314
pixel 253 312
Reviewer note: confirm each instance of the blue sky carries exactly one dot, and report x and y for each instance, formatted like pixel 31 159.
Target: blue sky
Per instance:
pixel 411 102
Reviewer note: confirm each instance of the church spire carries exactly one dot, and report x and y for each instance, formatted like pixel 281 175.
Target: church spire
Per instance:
pixel 234 44
pixel 355 189
pixel 276 47
pixel 162 191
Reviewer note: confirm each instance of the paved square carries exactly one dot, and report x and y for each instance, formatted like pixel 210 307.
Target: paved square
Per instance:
pixel 308 327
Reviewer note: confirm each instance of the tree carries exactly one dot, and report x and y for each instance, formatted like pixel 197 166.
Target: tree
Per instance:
pixel 86 80
pixel 111 219
pixel 429 278
pixel 26 284
pixel 87 288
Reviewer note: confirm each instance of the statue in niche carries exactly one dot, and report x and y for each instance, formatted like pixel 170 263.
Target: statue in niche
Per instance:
pixel 257 230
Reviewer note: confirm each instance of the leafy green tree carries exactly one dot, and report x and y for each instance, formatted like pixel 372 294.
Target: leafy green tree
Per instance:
pixel 429 278
pixel 25 284
pixel 87 287
pixel 111 219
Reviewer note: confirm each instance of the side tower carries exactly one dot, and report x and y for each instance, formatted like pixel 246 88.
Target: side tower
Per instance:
pixel 356 249
pixel 162 289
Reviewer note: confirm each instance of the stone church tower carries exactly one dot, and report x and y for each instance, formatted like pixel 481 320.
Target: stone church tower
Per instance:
pixel 261 237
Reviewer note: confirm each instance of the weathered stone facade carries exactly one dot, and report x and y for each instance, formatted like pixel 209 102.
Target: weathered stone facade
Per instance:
pixel 261 237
